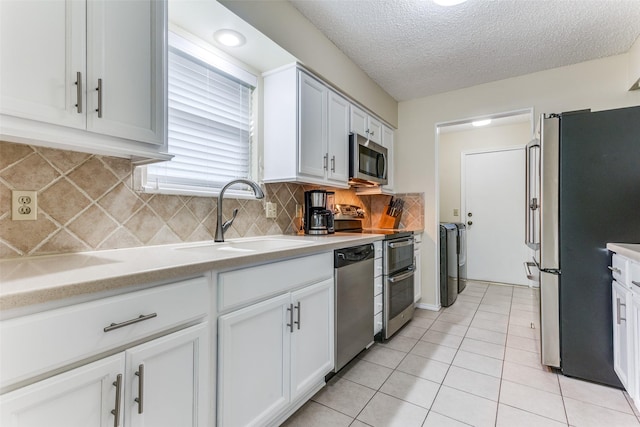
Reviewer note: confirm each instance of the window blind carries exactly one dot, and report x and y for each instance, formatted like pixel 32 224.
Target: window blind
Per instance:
pixel 209 127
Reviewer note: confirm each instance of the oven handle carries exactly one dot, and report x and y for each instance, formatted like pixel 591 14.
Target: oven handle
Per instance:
pixel 402 276
pixel 400 244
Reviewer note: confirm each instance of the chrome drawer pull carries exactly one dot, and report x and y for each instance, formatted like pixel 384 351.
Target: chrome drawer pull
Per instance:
pixel 402 276
pixel 116 412
pixel 141 318
pixel 290 310
pixel 615 270
pixel 298 321
pixel 619 318
pixel 401 244
pixel 635 283
pixel 99 90
pixel 140 399
pixel 79 91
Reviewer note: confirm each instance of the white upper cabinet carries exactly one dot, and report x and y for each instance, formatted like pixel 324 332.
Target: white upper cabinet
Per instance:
pixel 55 54
pixel 365 124
pixel 387 142
pixel 306 130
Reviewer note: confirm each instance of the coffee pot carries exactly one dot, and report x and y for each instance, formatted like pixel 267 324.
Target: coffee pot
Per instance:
pixel 317 218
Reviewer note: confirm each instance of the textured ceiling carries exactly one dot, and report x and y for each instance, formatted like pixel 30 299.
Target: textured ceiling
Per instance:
pixel 415 48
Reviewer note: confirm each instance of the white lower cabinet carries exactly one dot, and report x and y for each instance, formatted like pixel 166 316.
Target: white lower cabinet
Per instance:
pixel 621 333
pixel 158 383
pixel 272 353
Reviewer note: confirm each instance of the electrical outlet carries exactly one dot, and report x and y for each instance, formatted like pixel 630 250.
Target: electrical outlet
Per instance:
pixel 272 210
pixel 456 212
pixel 24 205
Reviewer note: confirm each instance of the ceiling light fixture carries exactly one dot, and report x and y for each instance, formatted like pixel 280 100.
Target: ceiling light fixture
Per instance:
pixel 448 3
pixel 230 38
pixel 479 123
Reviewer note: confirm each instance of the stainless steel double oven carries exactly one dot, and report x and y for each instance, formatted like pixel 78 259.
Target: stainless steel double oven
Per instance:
pixel 398 272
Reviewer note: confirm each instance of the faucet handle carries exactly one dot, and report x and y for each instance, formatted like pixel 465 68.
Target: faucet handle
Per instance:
pixel 228 223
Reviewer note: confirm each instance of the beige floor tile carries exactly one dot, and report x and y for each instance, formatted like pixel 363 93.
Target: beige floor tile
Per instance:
pixel 521 343
pixel 510 417
pixel 383 356
pixel 595 394
pixel 523 357
pixel 469 298
pixel 473 382
pixel 486 335
pixel 494 317
pixel 436 420
pixel 387 411
pixel 422 367
pixel 525 321
pixel 478 363
pixel 500 289
pixel 437 352
pixel 411 389
pixel 465 407
pixel 441 338
pixel 498 309
pixel 533 400
pixel 366 373
pixel 484 348
pixel 344 396
pixel 456 319
pixel 449 328
pixel 313 414
pixel 422 322
pixel 582 414
pixel 400 343
pixel 429 314
pixel 458 310
pixel 524 331
pixel 532 377
pixel 411 331
pixel 490 325
pixel 531 307
pixel 357 423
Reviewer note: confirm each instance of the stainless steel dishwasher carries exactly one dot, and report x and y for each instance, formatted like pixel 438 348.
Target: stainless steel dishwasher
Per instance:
pixel 353 301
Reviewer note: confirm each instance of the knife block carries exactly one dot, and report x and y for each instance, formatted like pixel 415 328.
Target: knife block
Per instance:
pixel 388 221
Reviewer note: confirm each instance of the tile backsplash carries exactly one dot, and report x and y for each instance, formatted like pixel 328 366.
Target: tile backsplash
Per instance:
pixel 87 202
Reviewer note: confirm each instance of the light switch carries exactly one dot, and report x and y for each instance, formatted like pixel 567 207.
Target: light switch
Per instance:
pixel 456 212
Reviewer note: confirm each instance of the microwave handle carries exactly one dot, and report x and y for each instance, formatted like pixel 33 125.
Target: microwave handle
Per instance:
pixel 384 160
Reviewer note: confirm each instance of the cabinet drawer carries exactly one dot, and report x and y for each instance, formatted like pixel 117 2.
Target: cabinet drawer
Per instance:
pixel 377 304
pixel 36 344
pixel 620 269
pixel 377 246
pixel 634 277
pixel 240 287
pixel 377 267
pixel 377 285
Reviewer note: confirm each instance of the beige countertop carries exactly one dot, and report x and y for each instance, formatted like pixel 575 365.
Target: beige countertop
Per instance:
pixel 629 250
pixel 38 280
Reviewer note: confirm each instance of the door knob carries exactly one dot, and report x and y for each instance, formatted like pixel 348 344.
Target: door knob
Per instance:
pixel 469 222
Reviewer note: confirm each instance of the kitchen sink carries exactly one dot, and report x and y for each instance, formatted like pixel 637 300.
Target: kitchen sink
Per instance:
pixel 249 245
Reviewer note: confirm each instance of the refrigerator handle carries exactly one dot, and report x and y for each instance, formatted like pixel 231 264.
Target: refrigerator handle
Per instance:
pixel 531 204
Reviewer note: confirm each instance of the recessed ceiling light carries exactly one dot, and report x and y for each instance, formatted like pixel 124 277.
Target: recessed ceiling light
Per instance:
pixel 479 123
pixel 229 38
pixel 448 2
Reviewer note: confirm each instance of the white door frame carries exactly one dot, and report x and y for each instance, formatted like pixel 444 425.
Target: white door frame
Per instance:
pixel 436 216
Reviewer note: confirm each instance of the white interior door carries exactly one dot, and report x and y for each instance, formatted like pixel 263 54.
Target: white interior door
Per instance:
pixel 493 197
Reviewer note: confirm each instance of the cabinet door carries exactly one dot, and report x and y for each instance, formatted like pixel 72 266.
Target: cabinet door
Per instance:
pixel 312 341
pixel 338 138
pixel 359 121
pixel 375 129
pixel 621 328
pixel 634 383
pixel 126 54
pixel 313 159
pixel 42 45
pixel 253 363
pixel 167 380
pixel 387 142
pixel 82 397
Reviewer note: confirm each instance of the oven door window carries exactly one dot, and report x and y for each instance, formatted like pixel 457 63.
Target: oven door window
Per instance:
pixel 399 255
pixel 371 162
pixel 400 288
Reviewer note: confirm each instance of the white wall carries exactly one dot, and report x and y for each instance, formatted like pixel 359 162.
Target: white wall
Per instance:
pixel 283 24
pixel 600 84
pixel 453 144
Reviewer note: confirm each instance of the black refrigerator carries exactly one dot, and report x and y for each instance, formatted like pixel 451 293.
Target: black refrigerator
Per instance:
pixel 583 191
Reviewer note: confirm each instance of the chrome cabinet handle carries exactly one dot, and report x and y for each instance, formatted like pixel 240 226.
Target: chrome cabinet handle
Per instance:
pixel 141 318
pixel 297 322
pixel 116 412
pixel 615 270
pixel 290 324
pixel 635 283
pixel 326 161
pixel 140 399
pixel 401 244
pixel 99 89
pixel 333 163
pixel 619 318
pixel 79 91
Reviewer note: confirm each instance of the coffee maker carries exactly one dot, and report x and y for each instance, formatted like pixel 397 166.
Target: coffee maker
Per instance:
pixel 317 218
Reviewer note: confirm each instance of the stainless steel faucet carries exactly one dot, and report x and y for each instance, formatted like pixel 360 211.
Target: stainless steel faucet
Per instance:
pixel 220 227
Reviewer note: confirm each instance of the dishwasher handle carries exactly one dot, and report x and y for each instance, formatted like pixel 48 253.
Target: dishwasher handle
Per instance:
pixel 348 256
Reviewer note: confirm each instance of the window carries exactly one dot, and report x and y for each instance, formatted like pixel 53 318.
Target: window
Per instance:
pixel 210 123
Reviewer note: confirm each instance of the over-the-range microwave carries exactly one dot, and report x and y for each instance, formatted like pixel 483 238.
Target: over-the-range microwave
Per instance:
pixel 367 161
